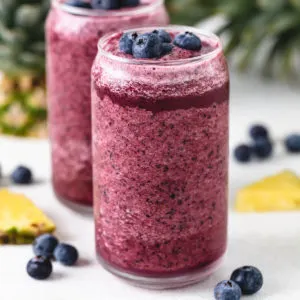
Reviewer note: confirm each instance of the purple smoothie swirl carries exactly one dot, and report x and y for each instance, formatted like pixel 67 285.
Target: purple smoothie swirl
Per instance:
pixel 160 161
pixel 72 35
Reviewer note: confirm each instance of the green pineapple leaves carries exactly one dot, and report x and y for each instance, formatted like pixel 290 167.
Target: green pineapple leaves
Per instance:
pixel 22 41
pixel 267 31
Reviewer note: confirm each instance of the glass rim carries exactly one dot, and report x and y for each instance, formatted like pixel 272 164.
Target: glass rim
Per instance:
pixel 173 62
pixel 86 12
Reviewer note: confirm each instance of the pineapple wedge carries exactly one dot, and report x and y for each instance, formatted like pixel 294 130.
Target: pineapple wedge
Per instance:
pixel 20 220
pixel 280 192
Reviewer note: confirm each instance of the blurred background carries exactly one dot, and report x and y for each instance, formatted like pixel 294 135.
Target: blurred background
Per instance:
pixel 261 35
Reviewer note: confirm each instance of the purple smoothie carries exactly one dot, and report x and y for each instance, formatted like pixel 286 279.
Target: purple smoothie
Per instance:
pixel 72 35
pixel 160 159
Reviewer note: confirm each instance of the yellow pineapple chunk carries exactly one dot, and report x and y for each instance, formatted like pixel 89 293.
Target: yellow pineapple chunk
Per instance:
pixel 280 192
pixel 20 220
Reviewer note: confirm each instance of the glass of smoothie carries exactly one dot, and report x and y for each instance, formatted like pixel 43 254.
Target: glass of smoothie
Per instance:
pixel 160 155
pixel 73 29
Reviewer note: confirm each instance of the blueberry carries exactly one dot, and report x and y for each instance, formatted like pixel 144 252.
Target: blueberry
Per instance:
pixel 39 268
pixel 227 290
pixel 262 148
pixel 130 3
pixel 242 153
pixel 21 175
pixel 106 4
pixel 78 3
pixel 66 254
pixel 249 279
pixel 126 42
pixel 147 45
pixel 44 245
pixel 259 131
pixel 292 143
pixel 166 48
pixel 164 36
pixel 188 41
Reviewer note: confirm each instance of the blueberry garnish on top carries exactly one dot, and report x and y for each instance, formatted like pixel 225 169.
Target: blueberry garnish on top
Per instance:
pixel 166 48
pixel 78 3
pixel 153 44
pixel 188 41
pixel 126 42
pixel 157 43
pixel 147 45
pixel 106 4
pixel 130 3
pixel 164 36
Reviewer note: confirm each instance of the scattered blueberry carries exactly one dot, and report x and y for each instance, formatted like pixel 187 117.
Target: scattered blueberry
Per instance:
pixel 292 143
pixel 164 36
pixel 21 175
pixel 147 45
pixel 126 42
pixel 78 3
pixel 243 153
pixel 166 48
pixel 249 279
pixel 188 41
pixel 44 245
pixel 105 4
pixel 66 254
pixel 39 268
pixel 130 3
pixel 227 290
pixel 262 148
pixel 259 131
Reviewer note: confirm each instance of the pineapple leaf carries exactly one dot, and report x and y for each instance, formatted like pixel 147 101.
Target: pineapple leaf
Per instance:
pixel 271 5
pixel 28 16
pixel 283 22
pixel 295 4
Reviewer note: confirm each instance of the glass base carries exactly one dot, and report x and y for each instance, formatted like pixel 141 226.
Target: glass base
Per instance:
pixel 162 283
pixel 83 209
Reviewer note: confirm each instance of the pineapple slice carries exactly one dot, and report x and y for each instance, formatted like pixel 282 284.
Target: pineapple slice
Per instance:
pixel 279 192
pixel 20 220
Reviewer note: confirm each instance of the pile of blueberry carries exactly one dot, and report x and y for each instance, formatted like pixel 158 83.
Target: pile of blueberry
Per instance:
pixel 46 248
pixel 247 280
pixel 261 146
pixel 157 43
pixel 103 4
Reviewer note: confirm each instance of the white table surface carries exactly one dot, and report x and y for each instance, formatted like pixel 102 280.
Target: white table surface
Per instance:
pixel 269 241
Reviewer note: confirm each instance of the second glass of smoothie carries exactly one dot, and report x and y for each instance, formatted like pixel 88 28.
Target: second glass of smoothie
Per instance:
pixel 72 35
pixel 160 159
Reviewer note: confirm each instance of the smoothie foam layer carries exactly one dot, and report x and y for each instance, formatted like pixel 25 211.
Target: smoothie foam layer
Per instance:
pixel 196 72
